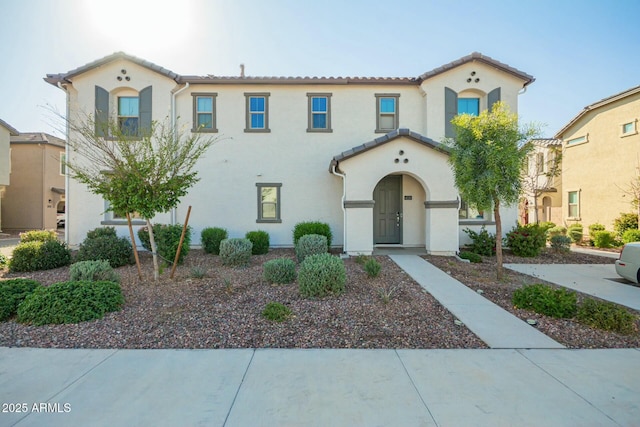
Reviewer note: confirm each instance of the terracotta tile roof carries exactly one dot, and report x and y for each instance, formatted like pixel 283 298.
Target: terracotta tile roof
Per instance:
pixel 598 104
pixel 477 56
pixel 383 140
pixel 54 79
pixel 547 142
pixel 7 126
pixel 37 138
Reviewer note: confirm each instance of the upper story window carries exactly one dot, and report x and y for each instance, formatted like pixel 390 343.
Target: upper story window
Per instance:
pixel 257 114
pixel 578 140
pixel 319 112
pixel 469 106
pixel 204 112
pixel 387 112
pixel 128 115
pixel 540 165
pixel 63 164
pixel 629 129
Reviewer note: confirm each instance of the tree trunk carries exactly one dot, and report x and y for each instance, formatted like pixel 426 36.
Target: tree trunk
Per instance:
pixel 535 207
pixel 154 251
pixel 135 248
pixel 496 213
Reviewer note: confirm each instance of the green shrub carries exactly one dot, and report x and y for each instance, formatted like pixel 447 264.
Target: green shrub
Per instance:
pixel 12 293
pixel 102 232
pixel 236 252
pixel 527 240
pixel 561 243
pixel 631 236
pixel 593 228
pixel 70 302
pixel 607 316
pixel 260 241
pixel 558 230
pixel 483 243
pixel 211 238
pixel 361 259
pixel 279 270
pixel 37 255
pixel 626 221
pixel 546 225
pixel 545 300
pixel 104 246
pixel 304 228
pixel 372 267
pixel 311 244
pixel 198 272
pixel 167 239
pixel 574 231
pixel 320 275
pixel 471 256
pixel 276 312
pixel 93 271
pixel 603 239
pixel 3 261
pixel 38 236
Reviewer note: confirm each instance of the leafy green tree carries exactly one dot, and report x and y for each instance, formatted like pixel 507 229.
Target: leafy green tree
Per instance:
pixel 146 173
pixel 487 157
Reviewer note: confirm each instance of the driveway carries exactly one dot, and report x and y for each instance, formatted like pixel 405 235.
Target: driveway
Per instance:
pixel 599 280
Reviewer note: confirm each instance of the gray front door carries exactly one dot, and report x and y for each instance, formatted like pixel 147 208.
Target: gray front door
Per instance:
pixel 387 211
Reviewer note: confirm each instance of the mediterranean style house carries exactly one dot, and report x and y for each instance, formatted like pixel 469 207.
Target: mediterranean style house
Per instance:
pixel 601 157
pixel 542 182
pixel 6 131
pixel 37 191
pixel 363 154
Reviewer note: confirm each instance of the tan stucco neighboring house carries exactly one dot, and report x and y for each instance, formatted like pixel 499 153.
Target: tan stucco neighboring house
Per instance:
pixel 6 131
pixel 37 189
pixel 601 156
pixel 363 154
pixel 542 182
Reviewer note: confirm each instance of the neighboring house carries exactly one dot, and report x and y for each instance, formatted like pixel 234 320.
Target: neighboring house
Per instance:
pixel 542 183
pixel 601 157
pixel 362 154
pixel 37 190
pixel 6 131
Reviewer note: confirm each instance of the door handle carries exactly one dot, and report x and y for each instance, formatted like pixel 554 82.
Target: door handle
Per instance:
pixel 398 216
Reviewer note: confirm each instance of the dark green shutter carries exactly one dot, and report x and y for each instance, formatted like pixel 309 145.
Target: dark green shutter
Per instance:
pixel 102 112
pixel 450 111
pixel 493 97
pixel 145 110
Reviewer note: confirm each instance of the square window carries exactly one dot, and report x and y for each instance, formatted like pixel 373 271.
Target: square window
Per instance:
pixel 629 129
pixel 257 112
pixel 469 106
pixel 386 112
pixel 319 112
pixel 268 202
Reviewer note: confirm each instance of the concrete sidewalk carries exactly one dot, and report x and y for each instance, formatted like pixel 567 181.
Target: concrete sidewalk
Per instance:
pixel 272 387
pixel 492 324
pixel 599 280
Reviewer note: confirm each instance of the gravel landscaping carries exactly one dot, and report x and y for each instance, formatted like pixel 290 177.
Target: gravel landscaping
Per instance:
pixel 223 309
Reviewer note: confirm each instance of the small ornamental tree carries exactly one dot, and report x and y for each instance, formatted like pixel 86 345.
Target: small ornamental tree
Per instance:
pixel 141 170
pixel 487 156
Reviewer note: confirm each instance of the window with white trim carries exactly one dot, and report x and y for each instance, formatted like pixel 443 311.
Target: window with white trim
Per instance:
pixel 579 140
pixel 628 129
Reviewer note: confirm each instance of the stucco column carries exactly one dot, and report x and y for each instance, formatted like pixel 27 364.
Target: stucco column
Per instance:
pixel 442 227
pixel 359 224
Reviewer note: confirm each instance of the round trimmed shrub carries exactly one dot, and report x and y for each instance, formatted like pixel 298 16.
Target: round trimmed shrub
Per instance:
pixel 211 238
pixel 603 239
pixel 312 227
pixel 546 300
pixel 70 302
pixel 93 271
pixel 37 255
pixel 279 270
pixel 558 230
pixel 471 256
pixel 631 236
pixel 560 243
pixel 117 251
pixel 12 293
pixel 236 252
pixel 276 312
pixel 320 275
pixel 594 228
pixel 606 315
pixel 260 241
pixel 574 231
pixel 311 244
pixel 38 236
pixel 102 232
pixel 527 240
pixel 167 238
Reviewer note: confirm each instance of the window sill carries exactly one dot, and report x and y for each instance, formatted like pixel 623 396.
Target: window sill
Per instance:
pixel 194 130
pixel 574 218
pixel 475 222
pixel 269 221
pixel 123 222
pixel 385 130
pixel 319 130
pixel 624 135
pixel 257 130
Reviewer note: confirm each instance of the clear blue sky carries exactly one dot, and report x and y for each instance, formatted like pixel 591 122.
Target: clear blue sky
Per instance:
pixel 578 51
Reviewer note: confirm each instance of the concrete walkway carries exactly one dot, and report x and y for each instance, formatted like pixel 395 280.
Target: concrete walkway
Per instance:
pixel 492 324
pixel 274 387
pixel 599 280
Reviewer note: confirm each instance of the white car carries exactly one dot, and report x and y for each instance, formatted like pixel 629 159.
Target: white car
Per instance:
pixel 628 265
